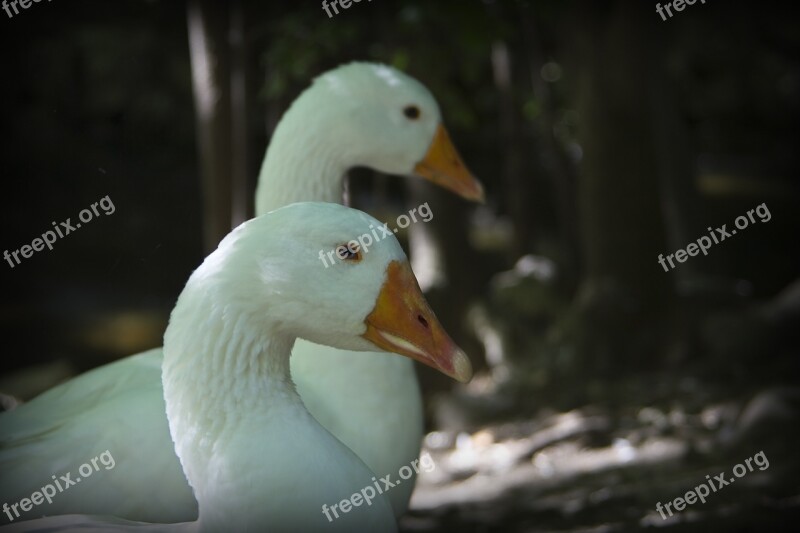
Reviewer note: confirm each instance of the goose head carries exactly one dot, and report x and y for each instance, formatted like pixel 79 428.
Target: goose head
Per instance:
pixel 301 263
pixel 360 114
pixel 228 392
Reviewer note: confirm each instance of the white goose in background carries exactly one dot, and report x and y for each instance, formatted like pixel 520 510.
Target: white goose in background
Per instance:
pixel 255 457
pixel 357 114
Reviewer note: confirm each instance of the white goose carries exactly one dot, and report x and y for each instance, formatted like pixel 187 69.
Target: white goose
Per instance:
pixel 256 459
pixel 358 114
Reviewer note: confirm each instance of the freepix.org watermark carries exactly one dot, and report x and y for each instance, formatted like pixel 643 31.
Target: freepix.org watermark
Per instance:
pixel 368 493
pixel 678 5
pixel 344 4
pixel 24 4
pixel 718 235
pixel 352 247
pixel 60 230
pixel 702 490
pixel 64 482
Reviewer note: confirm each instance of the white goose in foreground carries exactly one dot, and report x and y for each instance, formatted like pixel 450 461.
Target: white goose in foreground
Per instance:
pixel 254 456
pixel 358 114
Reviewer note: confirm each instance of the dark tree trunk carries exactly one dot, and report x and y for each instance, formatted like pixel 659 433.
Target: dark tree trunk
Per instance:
pixel 217 44
pixel 515 185
pixel 618 194
pixel 557 166
pixel 243 192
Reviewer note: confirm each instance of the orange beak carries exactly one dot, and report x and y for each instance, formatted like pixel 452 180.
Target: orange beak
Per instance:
pixel 403 323
pixel 443 166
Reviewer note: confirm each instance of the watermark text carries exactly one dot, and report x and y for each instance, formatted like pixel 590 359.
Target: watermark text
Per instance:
pixel 716 483
pixel 24 4
pixel 354 246
pixel 344 4
pixel 677 5
pixel 64 482
pixel 718 235
pixel 62 229
pixel 368 493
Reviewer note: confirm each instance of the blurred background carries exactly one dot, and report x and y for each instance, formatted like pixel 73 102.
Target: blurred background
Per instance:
pixel 604 136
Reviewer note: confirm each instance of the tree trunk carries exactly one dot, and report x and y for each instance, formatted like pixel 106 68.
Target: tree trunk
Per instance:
pixel 557 166
pixel 515 186
pixel 218 82
pixel 624 287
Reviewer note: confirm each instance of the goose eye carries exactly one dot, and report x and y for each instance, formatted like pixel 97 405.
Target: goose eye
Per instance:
pixel 346 253
pixel 411 111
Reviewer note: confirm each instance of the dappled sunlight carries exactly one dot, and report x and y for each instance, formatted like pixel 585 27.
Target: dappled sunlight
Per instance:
pixel 484 465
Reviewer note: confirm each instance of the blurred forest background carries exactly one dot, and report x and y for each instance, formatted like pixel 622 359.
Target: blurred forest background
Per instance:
pixel 604 137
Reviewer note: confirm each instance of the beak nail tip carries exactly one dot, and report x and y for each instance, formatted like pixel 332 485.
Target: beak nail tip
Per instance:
pixel 462 367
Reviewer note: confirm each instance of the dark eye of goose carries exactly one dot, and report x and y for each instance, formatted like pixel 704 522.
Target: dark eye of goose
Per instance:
pixel 411 111
pixel 347 253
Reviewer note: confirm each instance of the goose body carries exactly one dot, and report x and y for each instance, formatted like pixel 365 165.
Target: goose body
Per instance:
pixel 254 456
pixel 354 115
pixel 117 407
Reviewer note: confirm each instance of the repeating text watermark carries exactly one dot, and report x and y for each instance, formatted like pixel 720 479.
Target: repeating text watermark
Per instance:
pixel 344 4
pixel 24 4
pixel 368 493
pixel 46 492
pixel 677 5
pixel 718 235
pixel 701 491
pixel 60 230
pixel 353 247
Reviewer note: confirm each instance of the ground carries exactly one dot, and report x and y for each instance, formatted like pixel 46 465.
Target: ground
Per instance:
pixel 600 468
